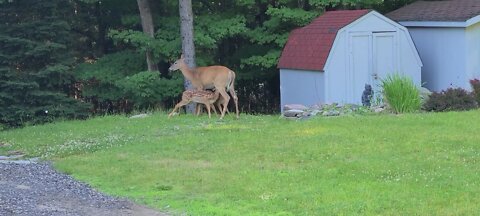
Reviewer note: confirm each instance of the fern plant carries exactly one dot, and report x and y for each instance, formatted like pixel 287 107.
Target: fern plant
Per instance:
pixel 401 94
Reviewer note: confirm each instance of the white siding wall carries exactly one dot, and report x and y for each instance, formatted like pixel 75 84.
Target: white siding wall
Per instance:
pixel 473 51
pixel 301 87
pixel 335 74
pixel 408 62
pixel 443 52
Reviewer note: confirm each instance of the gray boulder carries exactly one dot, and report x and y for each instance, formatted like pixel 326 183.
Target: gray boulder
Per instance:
pixel 294 113
pixel 294 107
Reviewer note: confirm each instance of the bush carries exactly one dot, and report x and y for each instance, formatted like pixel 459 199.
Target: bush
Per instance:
pixel 452 99
pixel 476 89
pixel 401 94
pixel 146 89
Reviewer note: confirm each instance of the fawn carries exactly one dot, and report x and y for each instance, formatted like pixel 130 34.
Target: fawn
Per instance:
pixel 206 97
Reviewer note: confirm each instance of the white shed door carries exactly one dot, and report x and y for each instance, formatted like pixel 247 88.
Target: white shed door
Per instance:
pixel 360 67
pixel 384 57
pixel 372 57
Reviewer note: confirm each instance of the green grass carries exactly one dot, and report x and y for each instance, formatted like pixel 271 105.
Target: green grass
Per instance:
pixel 411 164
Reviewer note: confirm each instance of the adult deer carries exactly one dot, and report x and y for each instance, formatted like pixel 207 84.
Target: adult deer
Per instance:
pixel 198 96
pixel 219 77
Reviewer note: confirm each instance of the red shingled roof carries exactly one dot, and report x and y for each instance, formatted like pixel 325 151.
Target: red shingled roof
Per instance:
pixel 308 47
pixel 448 10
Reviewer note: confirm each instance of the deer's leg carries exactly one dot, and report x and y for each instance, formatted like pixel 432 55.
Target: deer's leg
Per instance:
pixel 219 102
pixel 180 104
pixel 235 98
pixel 219 107
pixel 225 96
pixel 214 109
pixel 208 110
pixel 198 108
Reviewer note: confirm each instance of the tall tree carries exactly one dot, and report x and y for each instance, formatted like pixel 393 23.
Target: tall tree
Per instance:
pixel 36 62
pixel 148 28
pixel 188 46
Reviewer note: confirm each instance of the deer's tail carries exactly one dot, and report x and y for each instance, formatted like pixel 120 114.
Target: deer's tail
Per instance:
pixel 231 79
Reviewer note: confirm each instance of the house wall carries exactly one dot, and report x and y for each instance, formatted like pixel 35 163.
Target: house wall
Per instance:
pixel 301 87
pixel 473 51
pixel 443 52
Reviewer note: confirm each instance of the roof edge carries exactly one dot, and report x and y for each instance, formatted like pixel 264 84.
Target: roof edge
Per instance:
pixel 444 24
pixel 473 21
pixel 301 69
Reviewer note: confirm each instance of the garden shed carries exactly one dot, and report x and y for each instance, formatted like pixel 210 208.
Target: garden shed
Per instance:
pixel 337 54
pixel 447 35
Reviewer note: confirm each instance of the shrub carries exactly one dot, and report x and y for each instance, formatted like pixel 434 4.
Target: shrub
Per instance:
pixel 147 88
pixel 476 89
pixel 452 99
pixel 401 94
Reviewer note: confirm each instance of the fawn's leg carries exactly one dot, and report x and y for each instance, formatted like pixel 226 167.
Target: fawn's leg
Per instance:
pixel 180 104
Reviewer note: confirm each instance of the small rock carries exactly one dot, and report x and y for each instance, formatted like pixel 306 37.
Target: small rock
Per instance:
pixel 331 113
pixel 294 107
pixel 15 152
pixel 293 113
pixel 316 112
pixel 378 109
pixel 143 115
pixel 316 107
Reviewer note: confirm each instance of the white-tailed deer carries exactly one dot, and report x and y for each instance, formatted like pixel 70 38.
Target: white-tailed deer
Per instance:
pixel 198 96
pixel 219 77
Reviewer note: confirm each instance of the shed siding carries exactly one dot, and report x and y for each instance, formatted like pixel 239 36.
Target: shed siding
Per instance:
pixel 301 87
pixel 408 61
pixel 443 52
pixel 371 23
pixel 473 51
pixel 335 76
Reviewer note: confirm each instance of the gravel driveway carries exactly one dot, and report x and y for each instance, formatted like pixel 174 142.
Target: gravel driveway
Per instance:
pixel 35 189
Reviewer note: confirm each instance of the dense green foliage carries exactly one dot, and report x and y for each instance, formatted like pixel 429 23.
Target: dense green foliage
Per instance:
pixel 450 100
pixel 36 63
pixel 401 94
pixel 113 83
pixel 411 164
pixel 94 51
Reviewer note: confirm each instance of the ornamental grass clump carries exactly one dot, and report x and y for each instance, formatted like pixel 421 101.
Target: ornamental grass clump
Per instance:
pixel 401 94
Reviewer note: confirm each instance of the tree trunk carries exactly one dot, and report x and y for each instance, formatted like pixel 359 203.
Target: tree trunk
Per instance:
pixel 148 28
pixel 188 47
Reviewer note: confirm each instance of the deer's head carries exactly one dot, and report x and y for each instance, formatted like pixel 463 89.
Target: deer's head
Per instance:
pixel 177 64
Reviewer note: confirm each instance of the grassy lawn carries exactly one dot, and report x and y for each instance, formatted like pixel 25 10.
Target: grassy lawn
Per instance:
pixel 415 164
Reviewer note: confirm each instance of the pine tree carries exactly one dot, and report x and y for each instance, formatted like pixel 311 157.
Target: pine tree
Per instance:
pixel 36 63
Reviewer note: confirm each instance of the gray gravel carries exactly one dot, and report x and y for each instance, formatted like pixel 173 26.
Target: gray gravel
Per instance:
pixel 31 188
